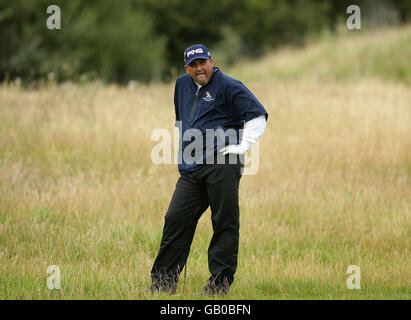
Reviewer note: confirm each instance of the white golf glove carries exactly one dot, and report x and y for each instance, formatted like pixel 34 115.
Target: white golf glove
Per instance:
pixel 252 132
pixel 232 148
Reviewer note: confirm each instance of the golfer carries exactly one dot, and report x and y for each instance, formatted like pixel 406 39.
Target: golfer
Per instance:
pixel 206 100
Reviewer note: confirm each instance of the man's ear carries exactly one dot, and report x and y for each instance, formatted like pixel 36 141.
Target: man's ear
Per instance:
pixel 212 62
pixel 186 67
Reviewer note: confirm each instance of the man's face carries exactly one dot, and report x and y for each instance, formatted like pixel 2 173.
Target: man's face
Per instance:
pixel 200 70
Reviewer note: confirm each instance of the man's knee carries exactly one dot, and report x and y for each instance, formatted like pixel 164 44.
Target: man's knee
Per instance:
pixel 174 217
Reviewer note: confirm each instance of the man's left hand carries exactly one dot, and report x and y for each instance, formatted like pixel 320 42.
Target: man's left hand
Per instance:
pixel 235 149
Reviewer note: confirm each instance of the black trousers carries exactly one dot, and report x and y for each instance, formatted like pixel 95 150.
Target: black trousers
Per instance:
pixel 214 185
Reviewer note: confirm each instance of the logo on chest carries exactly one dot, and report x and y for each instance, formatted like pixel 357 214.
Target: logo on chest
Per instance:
pixel 208 97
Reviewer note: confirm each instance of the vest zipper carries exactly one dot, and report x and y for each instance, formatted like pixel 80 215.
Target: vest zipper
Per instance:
pixel 195 104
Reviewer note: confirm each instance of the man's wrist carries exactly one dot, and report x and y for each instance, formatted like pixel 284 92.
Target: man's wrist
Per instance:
pixel 245 145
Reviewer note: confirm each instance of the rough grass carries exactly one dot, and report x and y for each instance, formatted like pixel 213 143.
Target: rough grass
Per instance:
pixel 78 188
pixel 350 56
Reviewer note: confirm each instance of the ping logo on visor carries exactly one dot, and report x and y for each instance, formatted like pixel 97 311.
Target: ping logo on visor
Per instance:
pixel 199 50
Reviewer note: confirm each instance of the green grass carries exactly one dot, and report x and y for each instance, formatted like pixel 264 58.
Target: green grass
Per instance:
pixel 349 56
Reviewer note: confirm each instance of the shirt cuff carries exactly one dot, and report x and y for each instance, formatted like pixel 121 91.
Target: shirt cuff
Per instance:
pixel 253 130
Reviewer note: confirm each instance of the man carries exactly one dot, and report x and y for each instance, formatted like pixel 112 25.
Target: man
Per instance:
pixel 206 99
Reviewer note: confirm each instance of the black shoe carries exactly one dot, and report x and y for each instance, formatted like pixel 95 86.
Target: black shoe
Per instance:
pixel 213 290
pixel 163 289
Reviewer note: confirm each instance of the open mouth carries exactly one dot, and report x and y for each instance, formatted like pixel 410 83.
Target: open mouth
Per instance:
pixel 201 76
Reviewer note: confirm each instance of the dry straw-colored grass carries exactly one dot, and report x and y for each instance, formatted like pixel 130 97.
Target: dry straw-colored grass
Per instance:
pixel 79 190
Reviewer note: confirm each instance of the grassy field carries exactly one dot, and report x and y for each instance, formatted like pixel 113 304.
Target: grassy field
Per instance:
pixel 78 188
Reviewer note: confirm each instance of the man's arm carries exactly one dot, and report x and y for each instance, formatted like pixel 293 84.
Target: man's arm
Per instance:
pixel 176 108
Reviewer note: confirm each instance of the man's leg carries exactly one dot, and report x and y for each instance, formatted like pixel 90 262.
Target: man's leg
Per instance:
pixel 222 189
pixel 188 203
